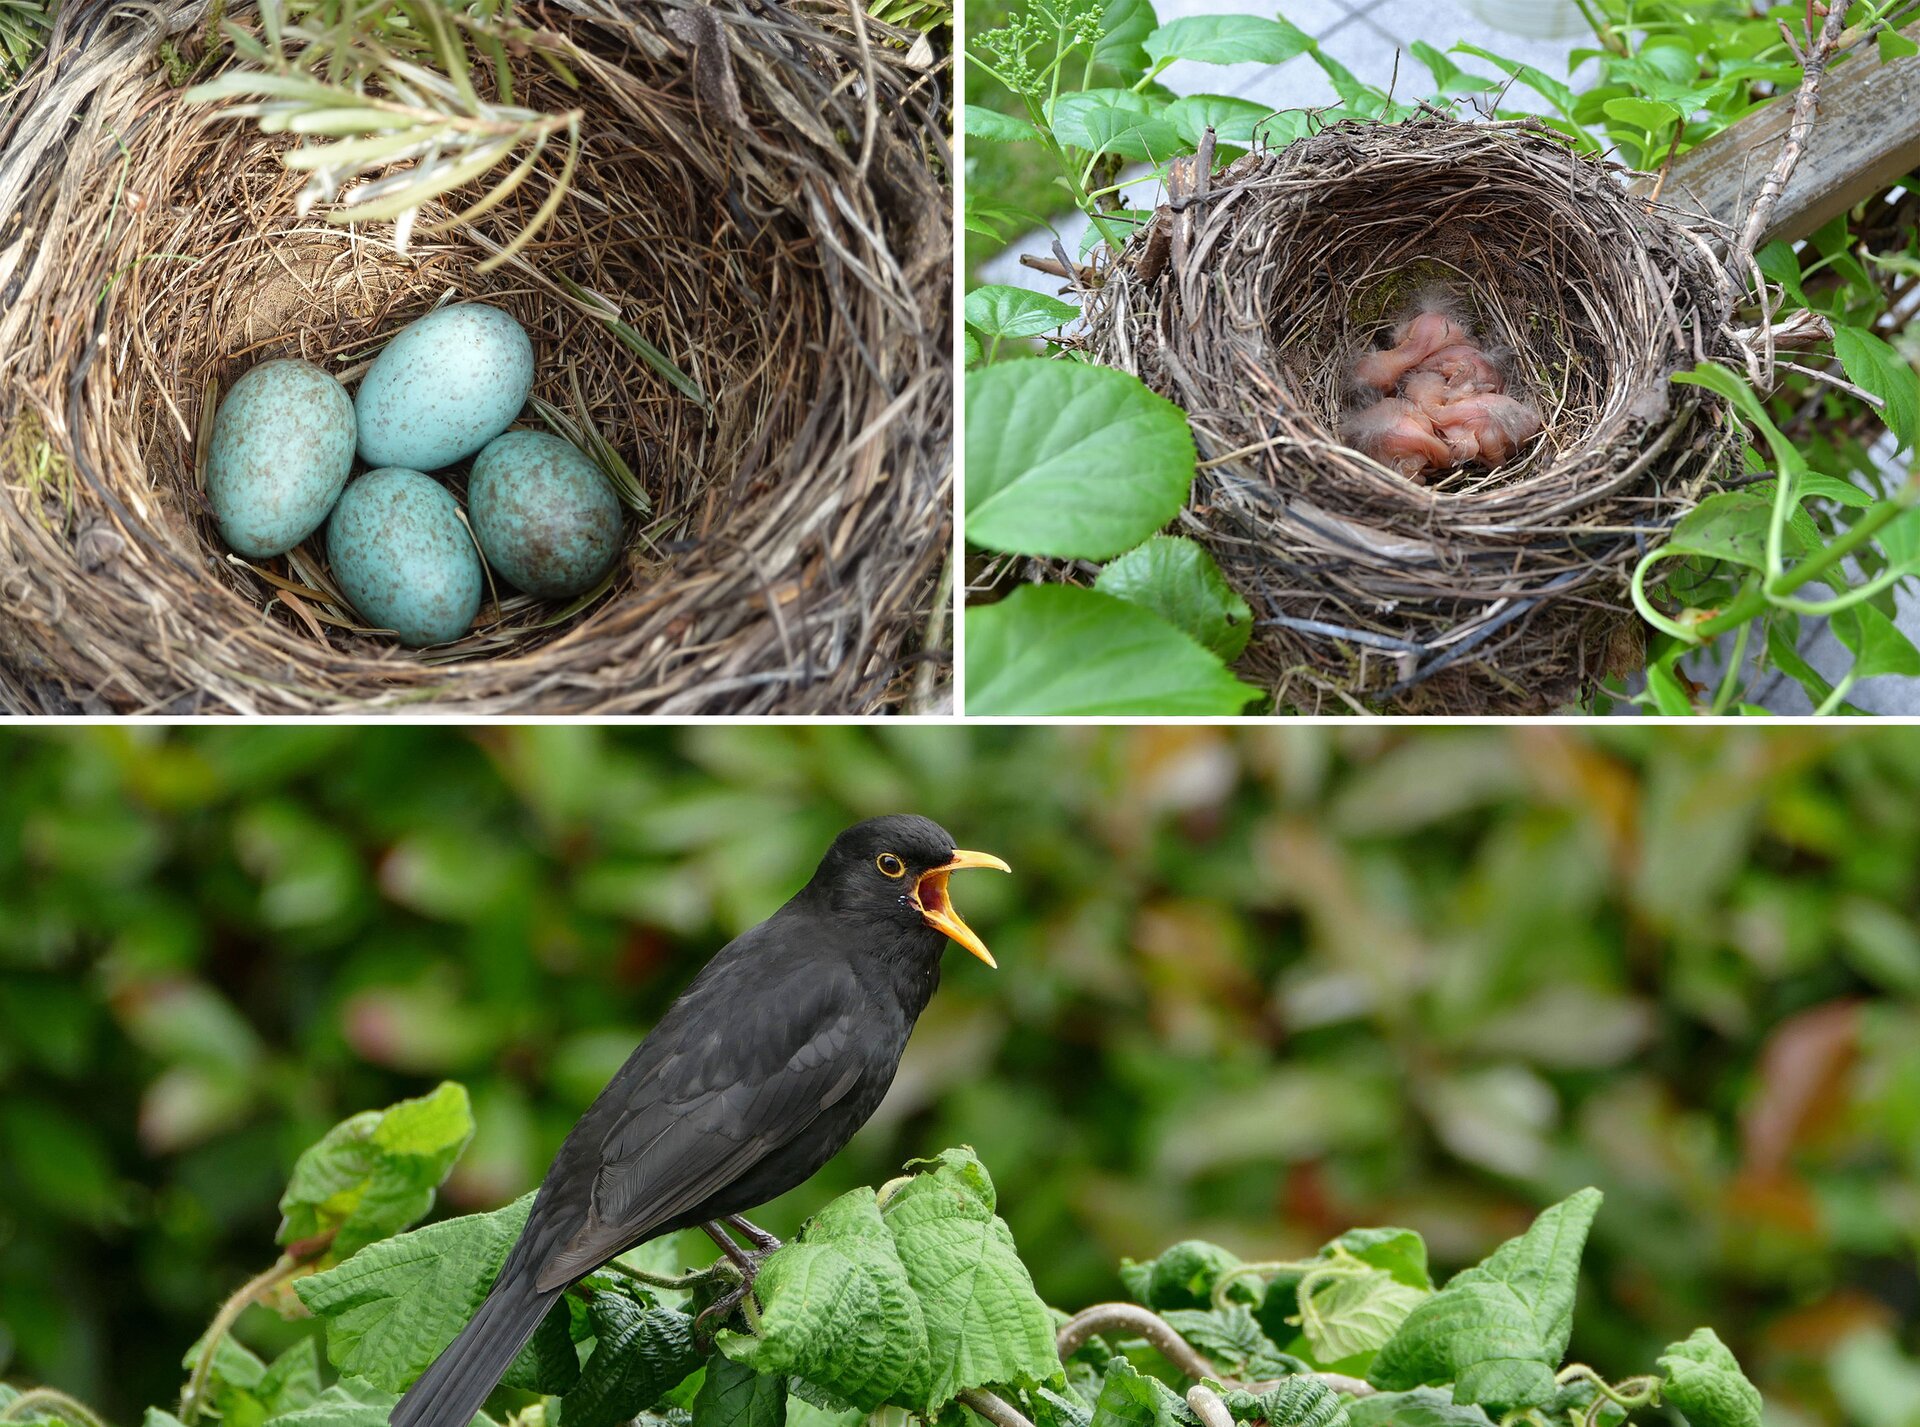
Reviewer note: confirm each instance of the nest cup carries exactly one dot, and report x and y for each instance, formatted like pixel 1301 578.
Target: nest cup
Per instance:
pixel 1245 300
pixel 761 193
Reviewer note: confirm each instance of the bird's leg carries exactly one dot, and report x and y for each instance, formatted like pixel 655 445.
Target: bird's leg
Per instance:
pixel 747 1263
pixel 763 1241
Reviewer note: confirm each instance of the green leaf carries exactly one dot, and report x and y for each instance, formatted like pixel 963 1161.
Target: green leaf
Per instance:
pixel 1057 650
pixel 1497 1331
pixel 1401 1252
pixel 1179 581
pixel 1071 460
pixel 1181 1277
pixel 1448 77
pixel 1656 118
pixel 1878 645
pixel 1129 1398
pixel 1894 45
pixel 998 311
pixel 1422 1407
pixel 1547 87
pixel 375 1173
pixel 1127 24
pixel 734 1395
pixel 995 127
pixel 1227 39
pixel 1780 263
pixel 1233 1339
pixel 1346 1314
pixel 1705 1382
pixel 393 1306
pixel 1291 1402
pixel 346 1404
pixel 292 1380
pixel 985 1324
pixel 1875 367
pixel 1233 121
pixel 1105 121
pixel 639 1355
pixel 840 1311
pixel 1729 526
pixel 1669 698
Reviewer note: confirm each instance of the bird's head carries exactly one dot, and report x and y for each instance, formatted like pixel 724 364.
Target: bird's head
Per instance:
pixel 895 868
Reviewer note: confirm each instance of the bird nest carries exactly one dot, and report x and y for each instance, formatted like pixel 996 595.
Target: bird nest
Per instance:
pixel 762 193
pixel 1246 300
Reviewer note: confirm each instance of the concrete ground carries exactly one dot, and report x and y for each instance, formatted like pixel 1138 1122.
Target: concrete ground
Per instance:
pixel 1370 37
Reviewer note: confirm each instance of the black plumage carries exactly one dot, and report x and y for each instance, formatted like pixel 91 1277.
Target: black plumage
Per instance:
pixel 756 1076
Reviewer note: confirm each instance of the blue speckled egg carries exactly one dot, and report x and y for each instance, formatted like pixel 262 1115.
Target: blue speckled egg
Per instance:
pixel 402 556
pixel 443 388
pixel 281 450
pixel 545 516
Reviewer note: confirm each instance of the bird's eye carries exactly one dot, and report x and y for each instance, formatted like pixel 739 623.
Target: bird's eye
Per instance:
pixel 891 865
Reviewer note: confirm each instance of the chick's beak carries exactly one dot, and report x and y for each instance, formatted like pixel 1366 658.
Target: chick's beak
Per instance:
pixel 930 895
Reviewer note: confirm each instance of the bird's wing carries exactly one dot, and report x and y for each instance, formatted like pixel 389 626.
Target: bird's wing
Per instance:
pixel 742 1066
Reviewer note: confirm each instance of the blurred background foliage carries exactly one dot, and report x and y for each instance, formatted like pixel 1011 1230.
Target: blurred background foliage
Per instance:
pixel 1256 987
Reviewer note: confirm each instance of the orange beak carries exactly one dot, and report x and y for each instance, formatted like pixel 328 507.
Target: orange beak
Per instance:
pixel 930 896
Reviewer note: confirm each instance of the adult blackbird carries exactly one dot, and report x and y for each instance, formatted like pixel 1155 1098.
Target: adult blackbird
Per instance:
pixel 770 1060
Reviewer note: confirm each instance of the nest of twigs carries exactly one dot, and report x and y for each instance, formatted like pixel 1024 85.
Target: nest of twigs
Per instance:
pixel 1499 590
pixel 762 194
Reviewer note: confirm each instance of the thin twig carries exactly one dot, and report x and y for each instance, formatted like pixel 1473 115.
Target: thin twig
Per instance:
pixel 30 1402
pixel 1806 100
pixel 223 1321
pixel 1132 1319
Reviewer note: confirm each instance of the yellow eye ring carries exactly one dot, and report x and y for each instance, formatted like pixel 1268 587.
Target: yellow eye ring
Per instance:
pixel 890 865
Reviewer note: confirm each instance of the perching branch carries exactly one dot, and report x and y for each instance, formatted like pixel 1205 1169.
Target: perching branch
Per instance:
pixel 1131 1318
pixel 1813 66
pixel 995 1408
pixel 1145 1323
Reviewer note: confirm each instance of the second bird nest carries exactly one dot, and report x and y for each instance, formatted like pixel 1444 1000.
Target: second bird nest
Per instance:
pixel 1480 589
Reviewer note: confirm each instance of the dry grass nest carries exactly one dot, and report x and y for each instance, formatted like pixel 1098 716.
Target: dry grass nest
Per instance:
pixel 1245 299
pixel 775 217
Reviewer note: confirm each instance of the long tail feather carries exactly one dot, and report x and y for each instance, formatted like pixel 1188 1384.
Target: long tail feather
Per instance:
pixel 448 1393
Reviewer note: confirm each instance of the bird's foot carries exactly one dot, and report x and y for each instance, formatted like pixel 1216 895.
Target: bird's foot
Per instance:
pixel 745 1267
pixel 763 1241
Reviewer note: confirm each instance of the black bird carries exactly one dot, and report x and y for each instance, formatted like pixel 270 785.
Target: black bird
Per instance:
pixel 777 1052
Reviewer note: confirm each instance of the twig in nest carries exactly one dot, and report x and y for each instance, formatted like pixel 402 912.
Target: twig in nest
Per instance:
pixel 1813 66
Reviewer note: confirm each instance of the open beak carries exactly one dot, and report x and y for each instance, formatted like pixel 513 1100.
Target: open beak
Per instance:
pixel 930 895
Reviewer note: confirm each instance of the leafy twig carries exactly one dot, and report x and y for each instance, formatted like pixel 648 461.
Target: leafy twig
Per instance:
pixel 392 87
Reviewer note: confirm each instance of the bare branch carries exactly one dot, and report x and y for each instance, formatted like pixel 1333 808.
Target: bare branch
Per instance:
pixel 1208 1407
pixel 994 1408
pixel 1806 99
pixel 1131 1318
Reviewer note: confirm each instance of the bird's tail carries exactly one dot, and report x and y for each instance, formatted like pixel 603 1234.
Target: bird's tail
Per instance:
pixel 448 1393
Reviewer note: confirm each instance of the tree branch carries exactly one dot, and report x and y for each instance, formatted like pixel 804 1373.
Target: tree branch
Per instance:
pixel 995 1408
pixel 1813 65
pixel 1131 1318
